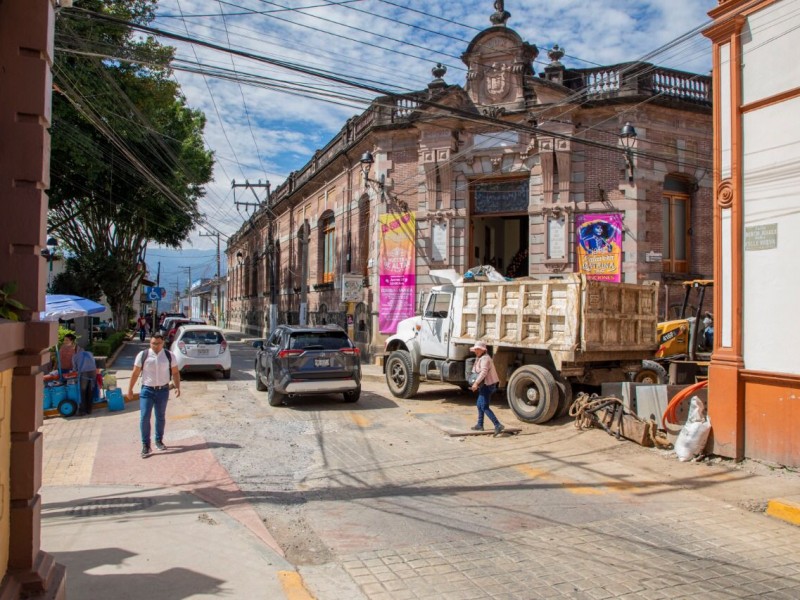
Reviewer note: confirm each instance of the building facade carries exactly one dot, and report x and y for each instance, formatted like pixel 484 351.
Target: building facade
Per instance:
pixel 26 53
pixel 514 170
pixel 754 377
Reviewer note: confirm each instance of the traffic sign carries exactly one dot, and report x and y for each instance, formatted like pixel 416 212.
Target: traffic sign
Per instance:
pixel 154 294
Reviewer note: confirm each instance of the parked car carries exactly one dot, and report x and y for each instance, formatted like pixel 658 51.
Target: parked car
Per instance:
pixel 169 335
pixel 169 320
pixel 301 361
pixel 199 348
pixel 164 316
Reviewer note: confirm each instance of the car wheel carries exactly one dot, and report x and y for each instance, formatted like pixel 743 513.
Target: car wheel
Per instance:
pixel 353 395
pixel 67 407
pixel 259 382
pixel 226 374
pixel 274 397
pixel 400 376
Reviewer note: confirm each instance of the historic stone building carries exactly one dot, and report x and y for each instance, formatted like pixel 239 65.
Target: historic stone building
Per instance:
pixel 508 170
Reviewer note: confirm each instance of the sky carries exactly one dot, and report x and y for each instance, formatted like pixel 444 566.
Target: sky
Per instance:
pixel 264 121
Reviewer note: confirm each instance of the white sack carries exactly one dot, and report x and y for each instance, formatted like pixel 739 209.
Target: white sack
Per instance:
pixel 694 434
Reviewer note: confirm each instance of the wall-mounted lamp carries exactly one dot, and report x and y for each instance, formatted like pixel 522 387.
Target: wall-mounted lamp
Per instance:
pixel 240 258
pixel 367 160
pixel 627 137
pixel 50 253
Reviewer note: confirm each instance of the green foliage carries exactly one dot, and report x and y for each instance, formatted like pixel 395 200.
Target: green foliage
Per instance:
pixel 128 162
pixel 9 307
pixel 62 332
pixel 101 348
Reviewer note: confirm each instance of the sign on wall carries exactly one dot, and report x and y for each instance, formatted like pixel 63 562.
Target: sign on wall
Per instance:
pixel 396 269
pixel 351 287
pixel 599 245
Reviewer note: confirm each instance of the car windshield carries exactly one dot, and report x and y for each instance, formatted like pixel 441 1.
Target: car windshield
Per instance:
pixel 202 337
pixel 309 340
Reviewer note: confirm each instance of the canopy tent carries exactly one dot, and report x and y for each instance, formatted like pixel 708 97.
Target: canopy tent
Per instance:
pixel 60 306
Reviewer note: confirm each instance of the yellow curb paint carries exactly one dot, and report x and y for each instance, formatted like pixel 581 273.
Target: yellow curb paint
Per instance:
pixel 360 420
pixel 784 510
pixel 293 587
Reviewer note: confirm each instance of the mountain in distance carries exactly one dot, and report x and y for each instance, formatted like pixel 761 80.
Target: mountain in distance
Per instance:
pixel 173 268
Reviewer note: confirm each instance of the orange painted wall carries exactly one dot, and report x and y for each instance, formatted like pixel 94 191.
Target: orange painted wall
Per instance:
pixel 771 416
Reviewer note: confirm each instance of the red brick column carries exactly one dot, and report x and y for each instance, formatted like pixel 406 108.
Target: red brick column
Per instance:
pixel 26 51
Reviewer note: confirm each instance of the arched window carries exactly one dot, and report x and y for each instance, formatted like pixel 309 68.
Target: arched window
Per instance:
pixel 676 225
pixel 327 232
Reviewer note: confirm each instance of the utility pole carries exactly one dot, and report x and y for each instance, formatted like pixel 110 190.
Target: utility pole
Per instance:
pixel 304 272
pixel 188 288
pixel 270 249
pixel 158 285
pixel 217 314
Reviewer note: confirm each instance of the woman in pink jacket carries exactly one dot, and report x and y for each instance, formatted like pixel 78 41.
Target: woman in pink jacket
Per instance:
pixel 485 384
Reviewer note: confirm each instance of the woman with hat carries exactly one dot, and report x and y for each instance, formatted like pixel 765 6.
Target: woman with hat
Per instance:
pixel 485 383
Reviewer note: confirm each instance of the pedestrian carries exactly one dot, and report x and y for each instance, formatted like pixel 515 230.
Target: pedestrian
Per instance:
pixel 83 362
pixel 157 366
pixel 485 383
pixel 141 325
pixel 66 352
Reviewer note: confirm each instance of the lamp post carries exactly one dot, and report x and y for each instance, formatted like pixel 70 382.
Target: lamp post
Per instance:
pixel 52 245
pixel 627 137
pixel 367 160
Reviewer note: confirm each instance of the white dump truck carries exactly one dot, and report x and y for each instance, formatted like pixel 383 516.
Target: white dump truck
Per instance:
pixel 544 335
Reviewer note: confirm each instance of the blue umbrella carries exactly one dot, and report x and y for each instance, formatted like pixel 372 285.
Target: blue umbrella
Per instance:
pixel 59 306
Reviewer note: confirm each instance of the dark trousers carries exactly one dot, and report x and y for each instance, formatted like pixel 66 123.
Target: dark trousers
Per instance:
pixel 484 396
pixel 87 395
pixel 141 334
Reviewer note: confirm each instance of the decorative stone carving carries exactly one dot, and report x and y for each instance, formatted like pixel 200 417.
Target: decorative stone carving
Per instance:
pixel 497 162
pixel 725 194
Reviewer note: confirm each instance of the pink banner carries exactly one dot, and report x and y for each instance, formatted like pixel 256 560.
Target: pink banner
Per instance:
pixel 397 269
pixel 599 246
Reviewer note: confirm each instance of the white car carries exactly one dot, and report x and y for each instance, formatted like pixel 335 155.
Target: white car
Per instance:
pixel 199 348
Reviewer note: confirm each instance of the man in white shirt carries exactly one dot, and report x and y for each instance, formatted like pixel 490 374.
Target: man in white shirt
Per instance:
pixel 157 366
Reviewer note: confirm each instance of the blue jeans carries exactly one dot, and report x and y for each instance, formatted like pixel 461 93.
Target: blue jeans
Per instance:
pixel 484 396
pixel 141 334
pixel 150 399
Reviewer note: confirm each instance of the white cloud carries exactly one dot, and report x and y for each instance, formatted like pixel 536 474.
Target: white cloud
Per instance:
pixel 284 129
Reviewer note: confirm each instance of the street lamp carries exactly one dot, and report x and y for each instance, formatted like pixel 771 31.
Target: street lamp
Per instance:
pixel 240 258
pixel 367 160
pixel 627 137
pixel 52 245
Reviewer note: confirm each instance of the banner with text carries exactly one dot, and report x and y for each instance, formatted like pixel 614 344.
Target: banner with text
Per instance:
pixel 599 246
pixel 396 269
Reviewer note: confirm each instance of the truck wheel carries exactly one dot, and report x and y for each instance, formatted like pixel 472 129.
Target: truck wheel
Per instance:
pixel 400 376
pixel 274 398
pixel 259 383
pixel 532 394
pixel 651 372
pixel 565 397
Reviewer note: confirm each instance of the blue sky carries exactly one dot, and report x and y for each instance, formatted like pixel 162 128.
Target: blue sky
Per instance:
pixel 259 132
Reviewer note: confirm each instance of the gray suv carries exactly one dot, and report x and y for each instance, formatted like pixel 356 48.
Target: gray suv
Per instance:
pixel 302 361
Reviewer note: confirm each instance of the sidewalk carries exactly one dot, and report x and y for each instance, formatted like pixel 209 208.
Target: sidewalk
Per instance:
pixel 177 526
pixel 174 524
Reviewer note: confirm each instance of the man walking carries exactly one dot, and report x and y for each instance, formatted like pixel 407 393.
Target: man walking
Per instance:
pixel 83 362
pixel 157 366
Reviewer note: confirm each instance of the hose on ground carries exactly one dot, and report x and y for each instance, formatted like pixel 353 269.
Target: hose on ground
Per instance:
pixel 669 415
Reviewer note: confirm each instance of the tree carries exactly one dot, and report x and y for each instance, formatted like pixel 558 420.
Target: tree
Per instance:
pixel 128 161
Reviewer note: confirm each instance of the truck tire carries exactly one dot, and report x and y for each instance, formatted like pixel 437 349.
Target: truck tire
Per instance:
pixel 400 376
pixel 565 397
pixel 532 394
pixel 651 372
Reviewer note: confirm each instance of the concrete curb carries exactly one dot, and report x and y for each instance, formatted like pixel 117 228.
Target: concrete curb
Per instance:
pixel 786 509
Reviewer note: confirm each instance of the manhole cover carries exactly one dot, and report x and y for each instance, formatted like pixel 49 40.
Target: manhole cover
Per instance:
pixel 111 506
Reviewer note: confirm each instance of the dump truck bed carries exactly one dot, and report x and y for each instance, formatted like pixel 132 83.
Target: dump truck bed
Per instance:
pixel 577 318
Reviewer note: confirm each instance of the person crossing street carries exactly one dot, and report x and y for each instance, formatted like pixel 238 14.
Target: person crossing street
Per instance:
pixel 156 366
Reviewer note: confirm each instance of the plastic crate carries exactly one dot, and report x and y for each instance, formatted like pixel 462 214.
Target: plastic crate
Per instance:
pixel 54 394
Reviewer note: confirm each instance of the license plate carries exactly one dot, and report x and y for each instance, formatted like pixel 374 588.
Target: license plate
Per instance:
pixel 322 362
pixel 202 350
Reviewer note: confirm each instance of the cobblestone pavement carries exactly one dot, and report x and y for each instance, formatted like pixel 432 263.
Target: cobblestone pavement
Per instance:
pixel 375 501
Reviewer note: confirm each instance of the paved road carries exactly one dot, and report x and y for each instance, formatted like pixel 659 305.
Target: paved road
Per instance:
pixel 375 500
